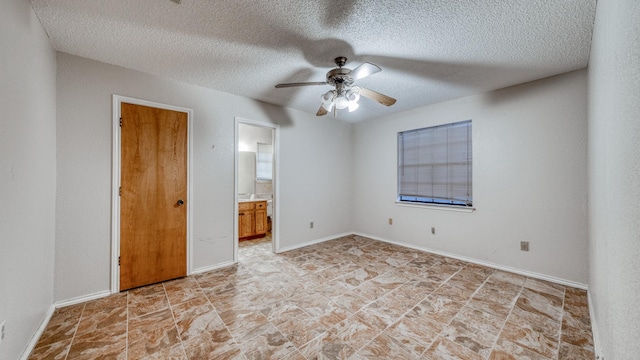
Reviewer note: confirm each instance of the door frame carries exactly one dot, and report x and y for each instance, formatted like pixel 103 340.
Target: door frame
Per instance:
pixel 115 181
pixel 275 231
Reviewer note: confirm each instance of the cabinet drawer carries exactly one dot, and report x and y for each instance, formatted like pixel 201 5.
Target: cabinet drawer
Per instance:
pixel 246 206
pixel 261 205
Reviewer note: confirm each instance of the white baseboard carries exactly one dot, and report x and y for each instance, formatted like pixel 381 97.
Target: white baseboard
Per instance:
pixel 36 336
pixel 595 331
pixel 212 267
pixel 45 321
pixel 483 263
pixel 81 299
pixel 312 242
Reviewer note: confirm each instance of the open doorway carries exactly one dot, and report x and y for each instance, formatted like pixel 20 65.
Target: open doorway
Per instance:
pixel 256 179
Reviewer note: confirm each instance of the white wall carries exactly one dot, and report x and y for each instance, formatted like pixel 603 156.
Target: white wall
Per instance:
pixel 83 236
pixel 614 173
pixel 248 138
pixel 315 160
pixel 246 173
pixel 529 179
pixel 27 174
pixel 250 135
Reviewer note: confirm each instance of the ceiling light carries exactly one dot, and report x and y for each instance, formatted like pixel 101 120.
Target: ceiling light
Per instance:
pixel 341 102
pixel 327 97
pixel 353 94
pixel 341 98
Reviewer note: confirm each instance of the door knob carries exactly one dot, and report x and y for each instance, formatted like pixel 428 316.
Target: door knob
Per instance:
pixel 180 202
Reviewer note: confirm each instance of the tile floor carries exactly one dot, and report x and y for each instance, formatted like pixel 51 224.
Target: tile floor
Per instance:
pixel 350 298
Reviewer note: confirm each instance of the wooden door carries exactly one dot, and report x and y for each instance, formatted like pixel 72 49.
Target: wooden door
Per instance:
pixel 153 195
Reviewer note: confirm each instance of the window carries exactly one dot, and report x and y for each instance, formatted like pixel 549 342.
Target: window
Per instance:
pixel 264 162
pixel 435 165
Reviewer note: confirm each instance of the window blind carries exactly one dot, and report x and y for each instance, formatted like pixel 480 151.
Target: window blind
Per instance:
pixel 435 165
pixel 264 162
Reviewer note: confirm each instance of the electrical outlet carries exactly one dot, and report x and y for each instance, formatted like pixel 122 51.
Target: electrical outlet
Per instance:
pixel 1 331
pixel 390 221
pixel 311 225
pixel 433 230
pixel 524 245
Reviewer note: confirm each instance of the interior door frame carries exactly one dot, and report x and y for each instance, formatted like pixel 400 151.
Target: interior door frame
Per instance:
pixel 115 182
pixel 275 231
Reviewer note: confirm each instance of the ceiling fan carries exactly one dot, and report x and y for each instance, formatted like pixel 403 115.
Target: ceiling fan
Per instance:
pixel 346 94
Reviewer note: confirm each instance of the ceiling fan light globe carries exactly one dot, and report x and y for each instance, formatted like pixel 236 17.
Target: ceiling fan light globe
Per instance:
pixel 353 106
pixel 341 102
pixel 327 97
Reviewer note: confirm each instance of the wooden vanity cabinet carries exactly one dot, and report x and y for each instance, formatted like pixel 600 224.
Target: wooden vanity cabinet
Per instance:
pixel 246 214
pixel 261 218
pixel 252 219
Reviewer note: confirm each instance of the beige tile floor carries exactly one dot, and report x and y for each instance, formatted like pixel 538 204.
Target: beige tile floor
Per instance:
pixel 351 297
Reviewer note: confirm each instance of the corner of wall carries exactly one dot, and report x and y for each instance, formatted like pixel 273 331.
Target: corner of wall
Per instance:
pixel 595 330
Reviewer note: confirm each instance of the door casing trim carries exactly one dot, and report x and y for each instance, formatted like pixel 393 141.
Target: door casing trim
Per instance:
pixel 115 181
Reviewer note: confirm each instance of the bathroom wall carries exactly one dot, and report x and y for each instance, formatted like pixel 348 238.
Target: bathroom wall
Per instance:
pixel 246 174
pixel 248 138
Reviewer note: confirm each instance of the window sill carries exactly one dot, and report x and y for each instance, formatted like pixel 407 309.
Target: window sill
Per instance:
pixel 436 207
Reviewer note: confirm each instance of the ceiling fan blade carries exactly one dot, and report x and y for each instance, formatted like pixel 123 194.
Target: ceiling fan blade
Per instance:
pixel 301 84
pixel 373 95
pixel 364 70
pixel 322 111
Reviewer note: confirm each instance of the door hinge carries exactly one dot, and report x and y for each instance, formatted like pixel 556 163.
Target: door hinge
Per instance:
pixel 120 122
pixel 120 191
pixel 118 260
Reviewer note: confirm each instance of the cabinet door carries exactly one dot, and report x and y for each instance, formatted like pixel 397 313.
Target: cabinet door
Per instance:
pixel 261 221
pixel 245 223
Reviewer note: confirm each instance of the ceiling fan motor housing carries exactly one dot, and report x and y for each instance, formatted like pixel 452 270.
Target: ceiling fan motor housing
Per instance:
pixel 339 76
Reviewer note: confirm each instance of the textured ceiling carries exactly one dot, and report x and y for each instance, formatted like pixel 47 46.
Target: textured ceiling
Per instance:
pixel 429 50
